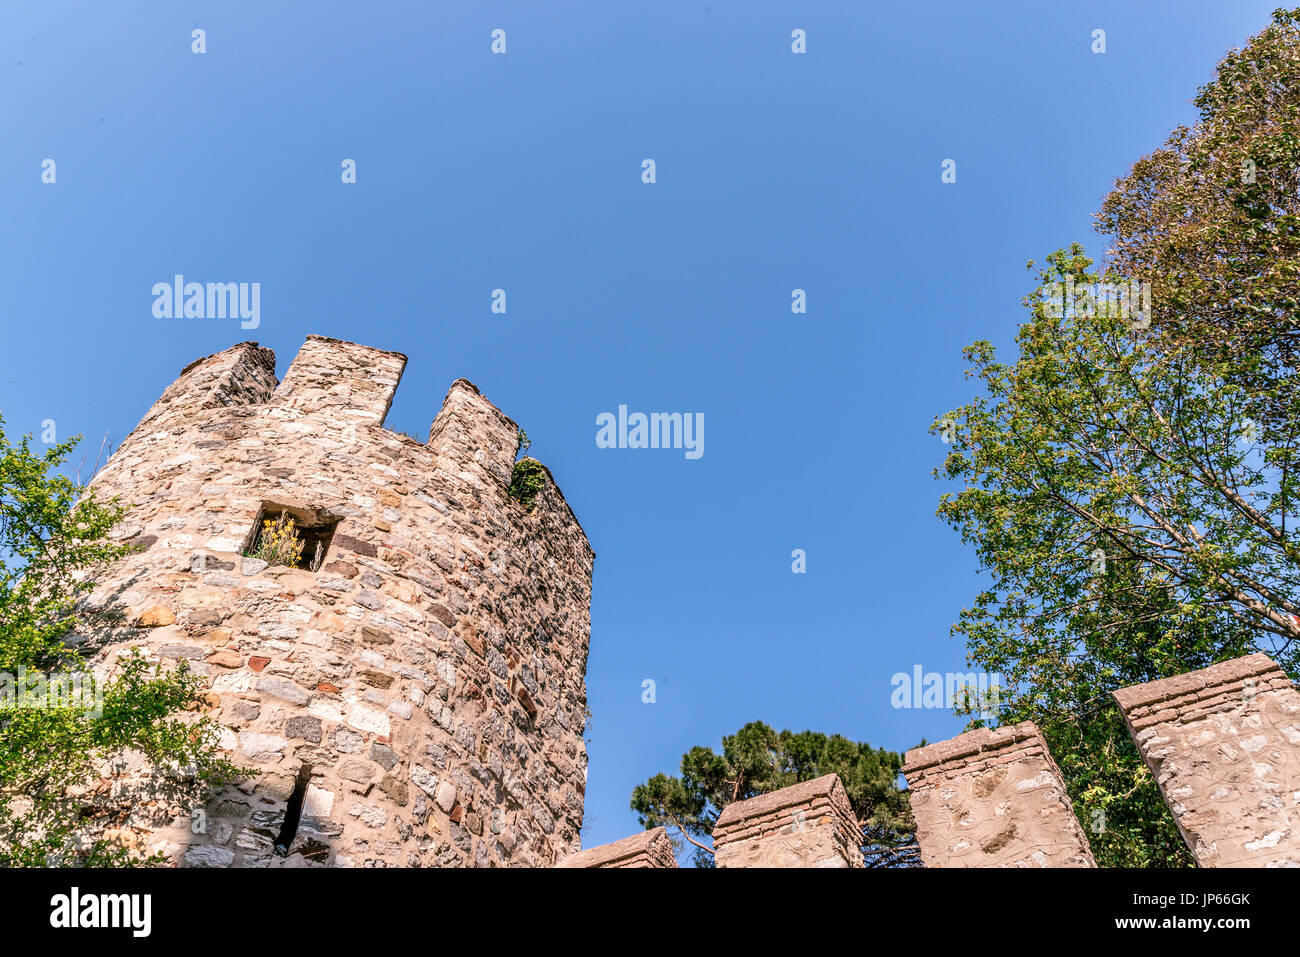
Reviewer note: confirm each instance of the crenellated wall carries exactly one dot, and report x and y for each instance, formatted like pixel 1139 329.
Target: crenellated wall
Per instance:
pixel 1223 743
pixel 422 692
pixel 425 686
pixel 242 375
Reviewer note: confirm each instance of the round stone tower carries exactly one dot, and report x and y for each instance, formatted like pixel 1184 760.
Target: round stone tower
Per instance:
pixel 414 693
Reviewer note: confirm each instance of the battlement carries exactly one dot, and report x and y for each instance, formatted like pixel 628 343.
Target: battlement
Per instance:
pixel 473 432
pixel 650 848
pixel 993 798
pixel 416 690
pixel 1222 742
pixel 241 375
pixel 335 392
pixel 810 824
pixel 355 382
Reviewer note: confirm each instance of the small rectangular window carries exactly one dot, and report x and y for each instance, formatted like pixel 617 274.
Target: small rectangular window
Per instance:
pixel 291 535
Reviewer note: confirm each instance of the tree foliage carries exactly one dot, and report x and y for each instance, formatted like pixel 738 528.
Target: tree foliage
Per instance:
pixel 56 805
pixel 756 760
pixel 1129 489
pixel 1213 219
pixel 1133 528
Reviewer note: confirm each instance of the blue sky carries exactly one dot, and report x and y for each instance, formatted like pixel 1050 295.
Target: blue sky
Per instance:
pixel 522 172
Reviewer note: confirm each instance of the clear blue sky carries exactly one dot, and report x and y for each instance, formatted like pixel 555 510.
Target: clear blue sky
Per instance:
pixel 476 171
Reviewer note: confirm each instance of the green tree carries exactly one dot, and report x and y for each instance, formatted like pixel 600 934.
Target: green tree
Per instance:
pixel 757 759
pixel 54 805
pixel 1133 528
pixel 1212 220
pixel 1129 489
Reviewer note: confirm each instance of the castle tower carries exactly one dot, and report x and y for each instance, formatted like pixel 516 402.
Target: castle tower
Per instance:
pixel 415 694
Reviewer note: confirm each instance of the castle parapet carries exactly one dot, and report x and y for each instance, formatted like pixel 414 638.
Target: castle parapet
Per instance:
pixel 241 375
pixel 474 440
pixel 648 849
pixel 356 383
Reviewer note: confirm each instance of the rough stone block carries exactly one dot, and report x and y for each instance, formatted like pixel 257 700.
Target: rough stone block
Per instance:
pixel 993 798
pixel 806 825
pixel 1224 746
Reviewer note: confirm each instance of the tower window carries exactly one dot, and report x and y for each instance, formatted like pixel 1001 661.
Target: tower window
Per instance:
pixel 293 536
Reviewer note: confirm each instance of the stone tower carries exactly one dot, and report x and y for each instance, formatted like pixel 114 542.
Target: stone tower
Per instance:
pixel 414 695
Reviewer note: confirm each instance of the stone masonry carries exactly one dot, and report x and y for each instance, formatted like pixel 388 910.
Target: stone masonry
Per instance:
pixel 810 824
pixel 421 694
pixel 993 798
pixel 650 848
pixel 1222 744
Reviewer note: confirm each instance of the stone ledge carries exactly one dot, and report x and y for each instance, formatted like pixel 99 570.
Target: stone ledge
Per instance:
pixel 648 849
pixel 972 743
pixel 805 792
pixel 1196 683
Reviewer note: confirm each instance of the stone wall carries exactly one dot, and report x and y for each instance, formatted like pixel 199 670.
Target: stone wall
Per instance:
pixel 993 798
pixel 423 692
pixel 806 825
pixel 1222 744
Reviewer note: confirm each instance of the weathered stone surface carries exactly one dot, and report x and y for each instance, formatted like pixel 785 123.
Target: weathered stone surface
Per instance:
pixel 303 726
pixel 648 849
pixel 261 746
pixel 445 796
pixel 317 803
pixel 226 658
pixel 1224 746
pixel 207 855
pixel 993 798
pixel 156 617
pixel 805 825
pixel 282 688
pixel 380 654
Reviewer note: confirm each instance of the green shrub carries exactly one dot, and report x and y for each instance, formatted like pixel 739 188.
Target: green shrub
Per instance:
pixel 526 481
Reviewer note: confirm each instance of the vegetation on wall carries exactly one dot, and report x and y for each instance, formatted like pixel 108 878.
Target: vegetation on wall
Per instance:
pixel 526 480
pixel 278 542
